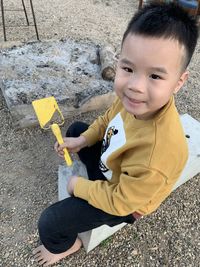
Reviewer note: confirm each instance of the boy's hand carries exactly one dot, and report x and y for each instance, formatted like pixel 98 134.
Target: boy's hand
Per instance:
pixel 71 184
pixel 73 144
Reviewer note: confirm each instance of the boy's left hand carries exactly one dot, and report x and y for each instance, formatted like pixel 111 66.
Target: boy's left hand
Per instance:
pixel 71 184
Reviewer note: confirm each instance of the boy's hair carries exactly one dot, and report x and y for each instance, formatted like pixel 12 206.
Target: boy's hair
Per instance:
pixel 165 20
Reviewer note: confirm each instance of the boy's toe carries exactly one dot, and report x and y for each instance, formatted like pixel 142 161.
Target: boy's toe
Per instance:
pixel 36 250
pixel 39 258
pixel 47 264
pixel 43 261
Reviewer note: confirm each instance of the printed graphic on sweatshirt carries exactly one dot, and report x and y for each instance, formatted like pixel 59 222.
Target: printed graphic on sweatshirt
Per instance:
pixel 114 138
pixel 106 143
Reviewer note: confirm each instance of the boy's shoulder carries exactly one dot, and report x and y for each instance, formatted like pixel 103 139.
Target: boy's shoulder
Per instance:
pixel 168 123
pixel 170 148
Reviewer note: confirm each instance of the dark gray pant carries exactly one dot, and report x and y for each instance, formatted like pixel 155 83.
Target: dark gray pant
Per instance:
pixel 60 223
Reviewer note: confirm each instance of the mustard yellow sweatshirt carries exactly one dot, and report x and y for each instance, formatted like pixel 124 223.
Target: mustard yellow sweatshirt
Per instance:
pixel 141 160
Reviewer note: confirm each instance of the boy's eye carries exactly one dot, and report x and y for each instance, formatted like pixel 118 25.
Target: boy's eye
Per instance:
pixel 155 76
pixel 127 69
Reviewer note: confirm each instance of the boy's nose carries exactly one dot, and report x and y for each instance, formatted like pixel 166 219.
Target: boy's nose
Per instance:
pixel 137 83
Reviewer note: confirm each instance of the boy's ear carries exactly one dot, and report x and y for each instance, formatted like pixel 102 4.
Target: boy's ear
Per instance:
pixel 183 78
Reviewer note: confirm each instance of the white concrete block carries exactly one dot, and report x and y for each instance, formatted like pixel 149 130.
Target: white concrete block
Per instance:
pixel 192 132
pixel 64 172
pixel 94 237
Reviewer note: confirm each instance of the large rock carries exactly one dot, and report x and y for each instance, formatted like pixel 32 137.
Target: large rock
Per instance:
pixel 68 70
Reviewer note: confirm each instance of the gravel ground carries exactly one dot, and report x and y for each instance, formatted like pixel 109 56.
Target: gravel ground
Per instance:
pixel 28 170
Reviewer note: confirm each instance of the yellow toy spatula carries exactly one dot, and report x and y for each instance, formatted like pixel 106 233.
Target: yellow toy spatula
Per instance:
pixel 50 117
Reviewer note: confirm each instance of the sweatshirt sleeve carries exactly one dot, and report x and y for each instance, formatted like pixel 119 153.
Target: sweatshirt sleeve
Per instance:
pixel 135 189
pixel 97 129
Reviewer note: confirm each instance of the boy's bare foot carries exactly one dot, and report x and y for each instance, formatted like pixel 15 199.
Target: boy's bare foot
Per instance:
pixel 46 258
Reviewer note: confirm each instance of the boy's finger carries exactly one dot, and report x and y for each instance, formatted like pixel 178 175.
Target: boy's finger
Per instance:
pixel 64 145
pixel 60 149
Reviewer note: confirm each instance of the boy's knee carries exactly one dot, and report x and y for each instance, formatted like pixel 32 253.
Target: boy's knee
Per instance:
pixel 46 221
pixel 76 128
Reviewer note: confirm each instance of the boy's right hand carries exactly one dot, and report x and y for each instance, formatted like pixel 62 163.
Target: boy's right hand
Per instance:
pixel 73 144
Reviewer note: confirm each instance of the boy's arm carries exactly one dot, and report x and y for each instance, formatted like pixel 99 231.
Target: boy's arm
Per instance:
pixel 130 194
pixel 97 129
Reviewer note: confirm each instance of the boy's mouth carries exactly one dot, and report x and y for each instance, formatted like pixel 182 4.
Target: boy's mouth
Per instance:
pixel 134 101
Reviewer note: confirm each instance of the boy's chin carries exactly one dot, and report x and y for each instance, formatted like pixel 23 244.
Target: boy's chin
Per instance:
pixel 140 116
pixel 134 114
pixel 132 111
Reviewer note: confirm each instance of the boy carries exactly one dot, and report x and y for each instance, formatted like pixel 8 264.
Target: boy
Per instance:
pixel 135 153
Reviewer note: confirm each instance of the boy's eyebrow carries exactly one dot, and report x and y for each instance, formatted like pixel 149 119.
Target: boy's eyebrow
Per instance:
pixel 126 61
pixel 158 69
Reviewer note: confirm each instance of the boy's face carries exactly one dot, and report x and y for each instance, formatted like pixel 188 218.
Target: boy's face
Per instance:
pixel 149 71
